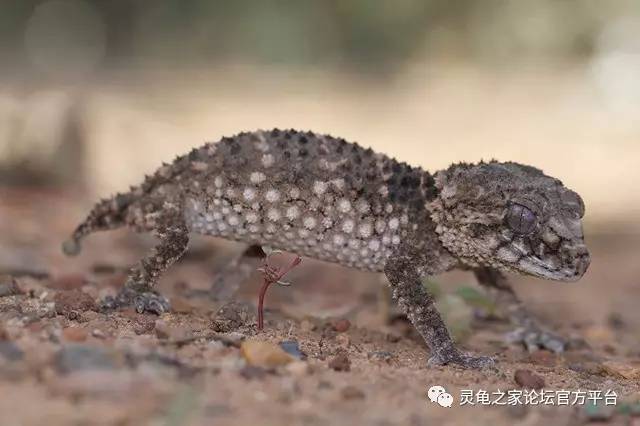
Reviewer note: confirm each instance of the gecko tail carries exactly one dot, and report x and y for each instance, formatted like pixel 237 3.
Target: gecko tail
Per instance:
pixel 106 215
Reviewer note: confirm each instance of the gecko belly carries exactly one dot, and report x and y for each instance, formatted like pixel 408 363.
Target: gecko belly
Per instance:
pixel 299 226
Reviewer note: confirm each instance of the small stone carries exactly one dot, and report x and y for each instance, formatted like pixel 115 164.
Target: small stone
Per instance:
pixel 528 379
pixel 543 357
pixel 264 354
pixel 341 325
pixel 74 334
pixel 10 351
pixel 9 286
pixel 292 348
pixel 340 362
pixel 162 329
pixel 352 392
pixel 78 357
pixel 71 303
pixel 230 317
pixel 298 368
pixel 98 334
pixel 380 356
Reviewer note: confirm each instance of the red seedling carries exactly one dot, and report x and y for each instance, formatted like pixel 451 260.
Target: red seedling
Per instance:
pixel 272 275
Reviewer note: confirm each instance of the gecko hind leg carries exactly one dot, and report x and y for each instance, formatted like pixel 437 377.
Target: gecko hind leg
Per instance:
pixel 138 290
pixel 528 331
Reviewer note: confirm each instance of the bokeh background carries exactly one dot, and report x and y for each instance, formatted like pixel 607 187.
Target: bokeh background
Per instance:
pixel 95 93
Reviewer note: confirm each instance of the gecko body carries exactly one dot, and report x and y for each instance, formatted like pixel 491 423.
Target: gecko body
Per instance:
pixel 328 199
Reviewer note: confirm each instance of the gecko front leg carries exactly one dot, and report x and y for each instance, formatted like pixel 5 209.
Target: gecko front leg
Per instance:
pixel 528 331
pixel 418 304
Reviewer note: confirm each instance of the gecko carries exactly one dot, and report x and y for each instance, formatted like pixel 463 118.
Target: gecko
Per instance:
pixel 328 199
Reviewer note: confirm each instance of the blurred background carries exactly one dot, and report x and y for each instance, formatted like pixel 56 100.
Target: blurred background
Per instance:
pixel 96 93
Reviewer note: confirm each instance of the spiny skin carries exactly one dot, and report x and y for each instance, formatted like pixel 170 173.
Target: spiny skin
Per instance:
pixel 331 200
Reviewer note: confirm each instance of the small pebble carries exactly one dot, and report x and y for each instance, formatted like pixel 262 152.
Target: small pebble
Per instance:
pixel 380 356
pixel 98 334
pixel 292 348
pixel 162 329
pixel 230 317
pixel 264 354
pixel 340 362
pixel 341 325
pixel 528 379
pixel 72 302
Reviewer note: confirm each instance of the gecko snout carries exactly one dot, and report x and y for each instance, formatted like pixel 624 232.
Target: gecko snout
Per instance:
pixel 578 259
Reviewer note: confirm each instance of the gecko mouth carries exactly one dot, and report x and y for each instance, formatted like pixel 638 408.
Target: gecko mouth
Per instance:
pixel 570 265
pixel 535 266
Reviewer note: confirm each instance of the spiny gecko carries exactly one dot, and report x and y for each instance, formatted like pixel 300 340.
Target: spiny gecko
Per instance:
pixel 327 199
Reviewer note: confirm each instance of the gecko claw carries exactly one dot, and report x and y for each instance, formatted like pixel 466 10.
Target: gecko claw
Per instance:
pixel 150 302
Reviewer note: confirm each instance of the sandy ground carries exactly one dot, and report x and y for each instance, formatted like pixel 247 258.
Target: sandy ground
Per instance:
pixel 63 362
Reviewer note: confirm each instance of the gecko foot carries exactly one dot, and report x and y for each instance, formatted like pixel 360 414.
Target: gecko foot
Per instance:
pixel 463 360
pixel 533 338
pixel 149 301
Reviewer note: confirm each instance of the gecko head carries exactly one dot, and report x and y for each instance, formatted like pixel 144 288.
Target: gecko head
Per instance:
pixel 511 217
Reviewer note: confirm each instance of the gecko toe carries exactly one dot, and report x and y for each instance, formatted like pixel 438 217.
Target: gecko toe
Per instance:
pixel 534 338
pixel 151 302
pixel 147 302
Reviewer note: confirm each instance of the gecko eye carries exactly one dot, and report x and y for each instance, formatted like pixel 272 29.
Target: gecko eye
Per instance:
pixel 521 219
